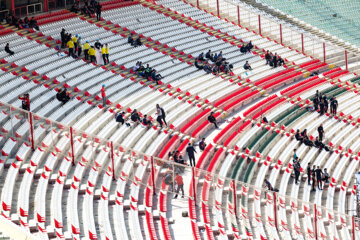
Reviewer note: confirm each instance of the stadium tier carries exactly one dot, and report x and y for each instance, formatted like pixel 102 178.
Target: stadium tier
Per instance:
pixel 71 170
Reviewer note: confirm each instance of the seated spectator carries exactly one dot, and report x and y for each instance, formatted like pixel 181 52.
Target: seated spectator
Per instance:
pixel 264 120
pixel 268 185
pixel 243 49
pixel 298 136
pixel 208 54
pixel 7 49
pixel 137 42
pixel 75 8
pixel 326 176
pixel 215 57
pixel 130 39
pixel 249 46
pixel 320 145
pixel 207 68
pixel 201 56
pixel 198 65
pixel 212 119
pixel 137 66
pixel 202 144
pixel 308 142
pixel 62 96
pixel 156 76
pixel 181 160
pixel 280 61
pixel 120 117
pixel 135 116
pixel 247 66
pixel 146 121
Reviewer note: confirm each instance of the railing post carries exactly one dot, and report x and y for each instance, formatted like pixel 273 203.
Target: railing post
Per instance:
pixel 13 7
pixel 302 42
pixel 315 221
pixel 259 24
pixel 235 198
pixel 324 52
pixel 218 9
pixel 281 34
pixel 353 227
pixel 193 183
pixel 275 211
pixel 112 159
pixel 72 146
pixel 346 60
pixel 238 11
pixel 153 174
pixel 31 131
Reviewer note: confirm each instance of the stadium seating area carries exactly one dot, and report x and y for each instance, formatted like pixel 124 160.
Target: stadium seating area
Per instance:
pixel 70 171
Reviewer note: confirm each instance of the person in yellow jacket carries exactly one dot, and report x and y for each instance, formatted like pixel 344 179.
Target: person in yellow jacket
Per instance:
pixel 92 54
pixel 74 39
pixel 105 53
pixel 86 50
pixel 70 45
pixel 79 45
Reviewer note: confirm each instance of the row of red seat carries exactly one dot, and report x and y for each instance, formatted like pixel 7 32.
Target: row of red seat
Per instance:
pixel 313 65
pixel 291 88
pixel 241 100
pixel 195 119
pixel 307 87
pixel 291 77
pixel 231 138
pixel 65 15
pixel 227 98
pixel 336 72
pixel 117 5
pixel 258 105
pixel 5 31
pixel 149 205
pixel 273 76
pixel 223 132
pixel 51 14
pixel 168 146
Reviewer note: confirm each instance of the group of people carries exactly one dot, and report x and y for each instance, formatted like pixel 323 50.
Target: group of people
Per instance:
pixel 273 60
pixel 321 103
pixel 98 53
pixel 135 117
pixel 88 8
pixel 245 48
pixel 219 63
pixel 317 176
pixel 303 138
pixel 147 72
pixel 134 42
pixel 22 24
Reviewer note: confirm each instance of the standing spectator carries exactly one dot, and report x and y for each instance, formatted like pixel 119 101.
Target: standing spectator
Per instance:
pixel 326 104
pixel 275 62
pixel 74 39
pixel 79 46
pixel 212 119
pixel 103 95
pixel 70 45
pixel 7 49
pixel 313 176
pixel 296 170
pixel 191 153
pixel 106 54
pixel 321 132
pixel 322 106
pixel 98 12
pixel 268 57
pixel 25 104
pixel 316 103
pixel 159 115
pixel 308 171
pixel 180 185
pixel 295 156
pixel 103 53
pixel 202 144
pixel 86 50
pixel 91 53
pixel 63 38
pixel 318 177
pixel 163 114
pixel 33 24
pixel 333 105
pixel 130 39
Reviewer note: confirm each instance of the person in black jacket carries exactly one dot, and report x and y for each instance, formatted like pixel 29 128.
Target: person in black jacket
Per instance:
pixel 333 105
pixel 62 96
pixel 308 171
pixel 274 61
pixel 319 173
pixel 313 176
pixel 98 11
pixel 135 116
pixel 321 132
pixel 212 119
pixel 191 153
pixel 119 117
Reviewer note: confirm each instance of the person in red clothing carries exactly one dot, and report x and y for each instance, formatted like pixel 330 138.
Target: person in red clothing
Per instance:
pixel 180 185
pixel 25 104
pixel 103 95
